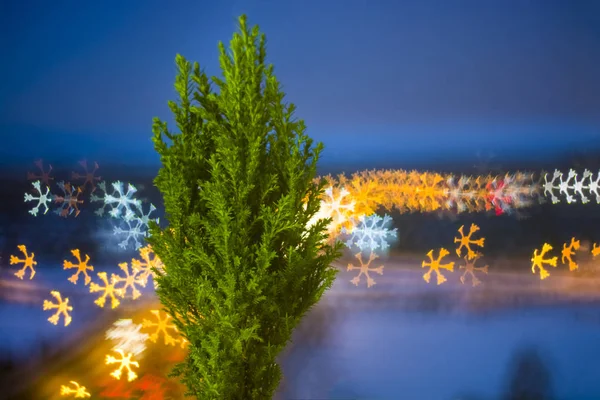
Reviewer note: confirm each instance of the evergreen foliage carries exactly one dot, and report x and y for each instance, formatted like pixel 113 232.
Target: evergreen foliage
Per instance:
pixel 242 264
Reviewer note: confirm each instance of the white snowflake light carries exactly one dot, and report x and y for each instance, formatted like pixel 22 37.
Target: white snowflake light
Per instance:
pixel 370 233
pixel 561 186
pixel 134 231
pixel 336 208
pixel 144 218
pixel 459 193
pixel 564 186
pixel 579 186
pixel 593 186
pixel 122 201
pixel 127 337
pixel 43 199
pixel 572 188
pixel 94 198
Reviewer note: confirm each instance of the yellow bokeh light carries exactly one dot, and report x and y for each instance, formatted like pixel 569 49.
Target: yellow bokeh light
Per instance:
pixel 538 261
pixel 143 267
pixel 129 281
pixel 435 265
pixel 78 391
pixel 28 262
pixel 125 362
pixel 466 241
pixel 108 290
pixel 62 307
pixel 162 325
pixel 82 267
pixel 568 252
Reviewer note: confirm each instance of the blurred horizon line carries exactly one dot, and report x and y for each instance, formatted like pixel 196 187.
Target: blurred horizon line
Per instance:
pixel 494 163
pixel 63 150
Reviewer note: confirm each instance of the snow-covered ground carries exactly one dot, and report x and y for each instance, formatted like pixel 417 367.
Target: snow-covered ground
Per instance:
pixel 402 338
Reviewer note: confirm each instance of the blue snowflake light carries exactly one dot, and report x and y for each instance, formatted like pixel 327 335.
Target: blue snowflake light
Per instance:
pixel 122 202
pixel 143 218
pixel 134 231
pixel 370 233
pixel 96 197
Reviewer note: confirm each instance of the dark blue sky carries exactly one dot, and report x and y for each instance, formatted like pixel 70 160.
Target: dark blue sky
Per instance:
pixel 404 81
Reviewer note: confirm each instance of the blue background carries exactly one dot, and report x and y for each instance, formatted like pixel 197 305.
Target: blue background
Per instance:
pixel 379 82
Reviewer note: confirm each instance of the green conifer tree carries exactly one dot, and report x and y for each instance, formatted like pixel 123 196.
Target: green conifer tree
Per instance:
pixel 242 263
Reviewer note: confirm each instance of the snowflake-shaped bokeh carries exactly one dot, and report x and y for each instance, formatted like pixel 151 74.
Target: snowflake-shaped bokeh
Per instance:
pixel 98 197
pixel 128 337
pixel 336 206
pixel 145 219
pixel 133 231
pixel 122 202
pixel 43 199
pixel 370 233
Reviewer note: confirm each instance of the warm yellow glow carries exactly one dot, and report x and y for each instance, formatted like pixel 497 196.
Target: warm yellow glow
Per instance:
pixel 595 250
pixel 365 191
pixel 143 267
pixel 466 242
pixel 568 252
pixel 538 260
pixel 125 362
pixel 183 343
pixel 28 262
pixel 62 308
pixel 108 290
pixel 162 325
pixel 129 281
pixel 82 267
pixel 435 266
pixel 430 193
pixel 77 390
pixel 338 205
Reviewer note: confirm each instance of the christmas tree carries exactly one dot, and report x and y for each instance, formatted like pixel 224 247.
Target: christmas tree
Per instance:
pixel 242 265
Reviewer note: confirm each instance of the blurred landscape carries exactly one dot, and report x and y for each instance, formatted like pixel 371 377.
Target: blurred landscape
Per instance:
pixel 514 235
pixel 39 355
